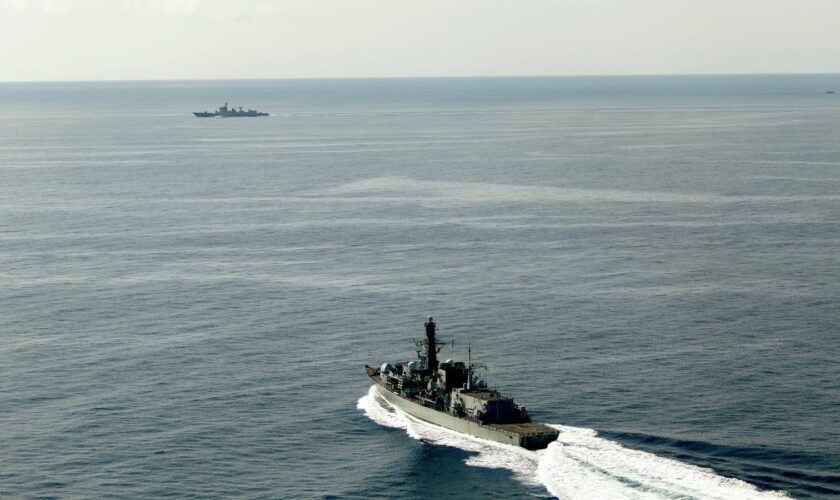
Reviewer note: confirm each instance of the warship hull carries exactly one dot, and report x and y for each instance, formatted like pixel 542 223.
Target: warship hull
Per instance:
pixel 226 112
pixel 531 435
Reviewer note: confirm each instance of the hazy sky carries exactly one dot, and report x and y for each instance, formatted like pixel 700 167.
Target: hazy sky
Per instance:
pixel 165 39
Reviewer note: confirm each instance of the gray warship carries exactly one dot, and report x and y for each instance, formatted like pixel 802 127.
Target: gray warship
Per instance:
pixel 451 395
pixel 226 112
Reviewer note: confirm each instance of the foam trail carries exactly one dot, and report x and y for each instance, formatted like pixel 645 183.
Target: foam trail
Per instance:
pixel 582 465
pixel 578 465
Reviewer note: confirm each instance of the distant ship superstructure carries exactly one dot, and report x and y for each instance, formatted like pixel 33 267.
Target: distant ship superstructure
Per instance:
pixel 451 395
pixel 226 112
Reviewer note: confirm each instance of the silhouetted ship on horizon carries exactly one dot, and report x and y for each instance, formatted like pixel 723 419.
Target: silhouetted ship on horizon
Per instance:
pixel 226 112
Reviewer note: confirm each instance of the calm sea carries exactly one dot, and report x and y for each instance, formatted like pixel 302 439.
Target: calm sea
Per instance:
pixel 650 263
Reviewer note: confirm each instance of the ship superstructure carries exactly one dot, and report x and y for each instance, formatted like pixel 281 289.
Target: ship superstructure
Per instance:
pixel 229 112
pixel 452 395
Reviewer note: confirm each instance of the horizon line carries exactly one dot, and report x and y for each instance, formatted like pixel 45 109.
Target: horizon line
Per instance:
pixel 425 77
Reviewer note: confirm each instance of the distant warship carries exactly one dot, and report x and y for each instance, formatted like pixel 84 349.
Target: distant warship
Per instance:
pixel 226 112
pixel 451 395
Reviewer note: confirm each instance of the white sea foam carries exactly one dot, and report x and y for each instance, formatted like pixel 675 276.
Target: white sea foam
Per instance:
pixel 578 465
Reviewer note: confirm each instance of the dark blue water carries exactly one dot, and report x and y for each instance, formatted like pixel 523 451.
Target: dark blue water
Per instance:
pixel 186 304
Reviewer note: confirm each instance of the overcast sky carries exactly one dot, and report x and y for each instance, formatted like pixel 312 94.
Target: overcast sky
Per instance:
pixel 184 39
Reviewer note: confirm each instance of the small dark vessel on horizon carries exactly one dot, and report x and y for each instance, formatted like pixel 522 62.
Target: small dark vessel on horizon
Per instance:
pixel 450 394
pixel 226 112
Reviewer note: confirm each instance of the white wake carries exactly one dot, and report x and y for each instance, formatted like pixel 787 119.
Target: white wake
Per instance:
pixel 578 465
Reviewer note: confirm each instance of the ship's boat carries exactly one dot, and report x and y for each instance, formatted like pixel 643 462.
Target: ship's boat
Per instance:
pixel 226 112
pixel 450 394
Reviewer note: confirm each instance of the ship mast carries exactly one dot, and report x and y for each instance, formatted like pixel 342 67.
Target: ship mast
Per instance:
pixel 431 345
pixel 472 371
pixel 469 367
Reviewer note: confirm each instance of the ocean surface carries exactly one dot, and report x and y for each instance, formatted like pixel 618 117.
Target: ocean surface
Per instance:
pixel 649 263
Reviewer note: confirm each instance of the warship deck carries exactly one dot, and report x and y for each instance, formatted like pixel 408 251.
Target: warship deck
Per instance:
pixel 529 435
